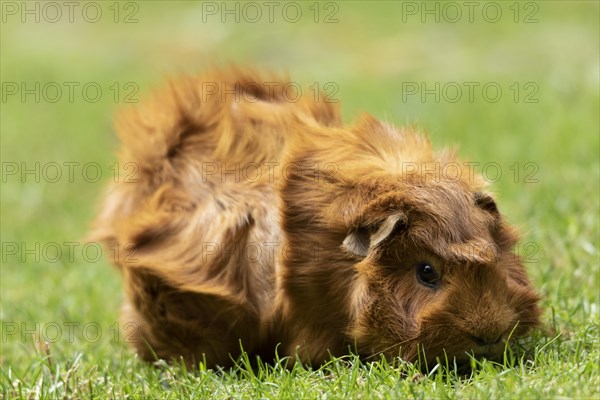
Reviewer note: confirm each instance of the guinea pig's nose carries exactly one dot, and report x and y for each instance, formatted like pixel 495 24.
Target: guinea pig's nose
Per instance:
pixel 483 339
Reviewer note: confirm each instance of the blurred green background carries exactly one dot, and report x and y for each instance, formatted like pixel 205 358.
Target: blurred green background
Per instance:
pixel 543 55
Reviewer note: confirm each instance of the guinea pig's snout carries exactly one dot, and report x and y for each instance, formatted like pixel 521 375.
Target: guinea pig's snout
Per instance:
pixel 487 324
pixel 486 334
pixel 486 339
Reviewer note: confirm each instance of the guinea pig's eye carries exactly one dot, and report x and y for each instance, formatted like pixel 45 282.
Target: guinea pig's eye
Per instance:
pixel 427 275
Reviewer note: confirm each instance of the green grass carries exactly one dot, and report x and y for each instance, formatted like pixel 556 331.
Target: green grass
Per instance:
pixel 369 54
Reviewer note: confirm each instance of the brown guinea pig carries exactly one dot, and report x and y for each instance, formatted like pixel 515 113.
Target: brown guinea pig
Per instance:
pixel 247 212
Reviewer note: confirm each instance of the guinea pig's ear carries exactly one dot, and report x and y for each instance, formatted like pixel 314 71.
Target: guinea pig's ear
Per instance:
pixel 486 202
pixel 365 238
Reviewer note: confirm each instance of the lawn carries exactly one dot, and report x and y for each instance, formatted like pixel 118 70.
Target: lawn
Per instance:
pixel 513 85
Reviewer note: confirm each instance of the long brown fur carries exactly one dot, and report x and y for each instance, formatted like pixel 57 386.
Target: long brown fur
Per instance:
pixel 259 218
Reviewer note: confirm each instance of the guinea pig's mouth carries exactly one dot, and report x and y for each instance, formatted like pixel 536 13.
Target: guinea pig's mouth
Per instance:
pixel 491 350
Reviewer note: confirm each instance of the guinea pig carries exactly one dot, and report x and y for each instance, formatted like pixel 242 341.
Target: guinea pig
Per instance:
pixel 248 213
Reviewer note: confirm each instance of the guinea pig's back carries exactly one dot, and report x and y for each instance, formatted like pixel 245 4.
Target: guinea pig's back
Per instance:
pixel 197 203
